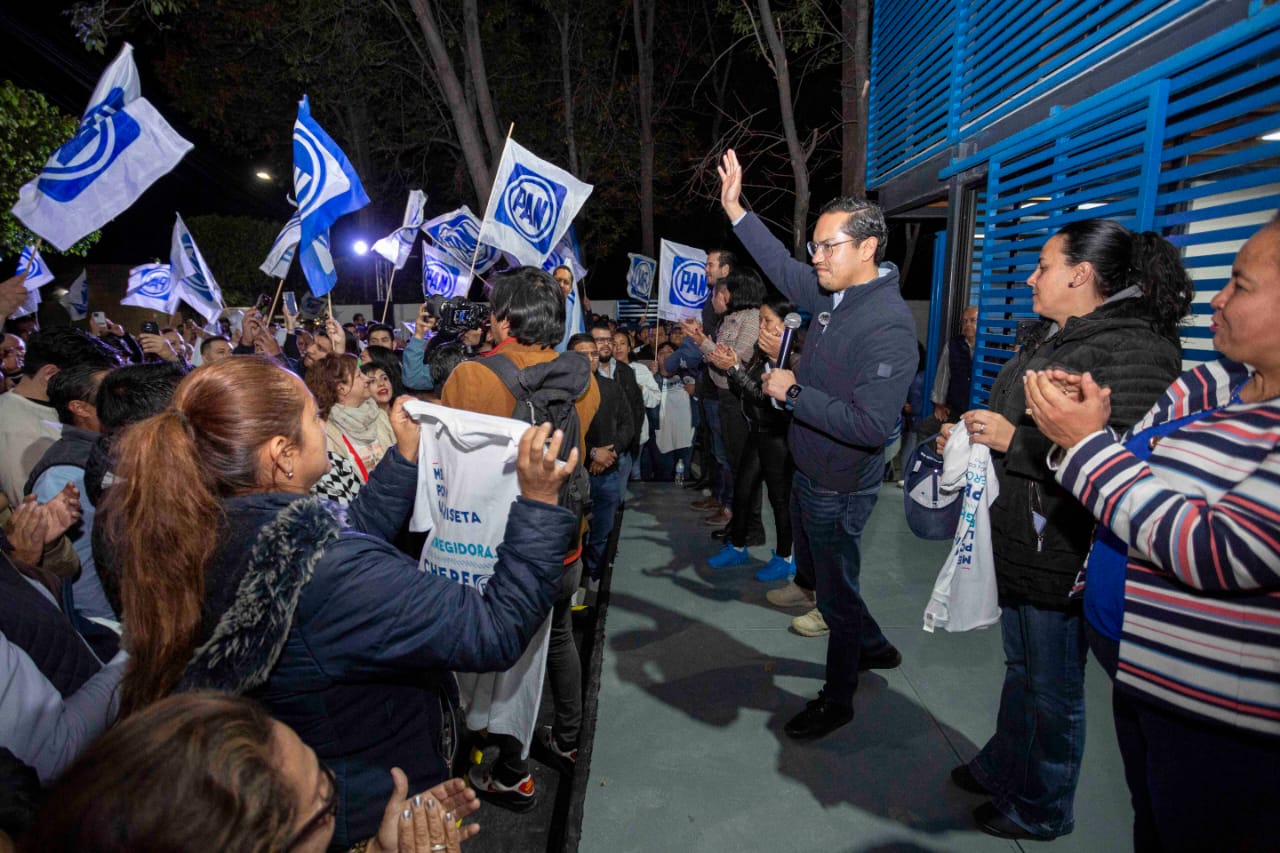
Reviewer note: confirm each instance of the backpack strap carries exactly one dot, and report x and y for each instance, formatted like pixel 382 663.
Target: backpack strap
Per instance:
pixel 507 371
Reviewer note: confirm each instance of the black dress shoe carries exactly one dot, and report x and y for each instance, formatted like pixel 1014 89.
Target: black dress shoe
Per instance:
pixel 890 658
pixel 720 533
pixel 820 717
pixel 697 484
pixel 964 779
pixel 991 821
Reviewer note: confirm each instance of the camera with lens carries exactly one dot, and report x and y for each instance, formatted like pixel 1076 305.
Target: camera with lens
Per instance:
pixel 457 314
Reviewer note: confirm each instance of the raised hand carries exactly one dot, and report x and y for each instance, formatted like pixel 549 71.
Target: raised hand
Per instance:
pixel 731 185
pixel 406 429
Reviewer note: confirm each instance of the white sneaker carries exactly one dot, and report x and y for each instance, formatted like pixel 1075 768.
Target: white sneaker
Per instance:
pixel 792 595
pixel 811 624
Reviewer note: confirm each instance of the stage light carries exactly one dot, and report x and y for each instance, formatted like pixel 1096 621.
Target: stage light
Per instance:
pixel 361 247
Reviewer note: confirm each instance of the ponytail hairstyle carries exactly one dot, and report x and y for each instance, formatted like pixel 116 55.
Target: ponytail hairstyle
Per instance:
pixel 196 771
pixel 1122 258
pixel 162 516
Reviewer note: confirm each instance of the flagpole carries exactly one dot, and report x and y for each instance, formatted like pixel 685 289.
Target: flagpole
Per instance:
pixel 276 299
pixel 390 285
pixel 476 254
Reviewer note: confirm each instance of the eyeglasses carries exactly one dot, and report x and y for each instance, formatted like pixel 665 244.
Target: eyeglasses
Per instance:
pixel 327 811
pixel 825 246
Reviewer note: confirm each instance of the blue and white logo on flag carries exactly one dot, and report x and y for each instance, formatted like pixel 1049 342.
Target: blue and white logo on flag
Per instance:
pixel 565 254
pixel 193 283
pixel 441 275
pixel 38 273
pixel 280 258
pixel 682 281
pixel 122 147
pixel 76 299
pixel 326 187
pixel 531 206
pixel 397 245
pixel 640 277
pixel 458 233
pixel 150 286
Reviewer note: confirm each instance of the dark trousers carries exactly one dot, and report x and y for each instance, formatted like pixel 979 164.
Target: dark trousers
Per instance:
pixel 765 462
pixel 606 495
pixel 564 667
pixel 1205 786
pixel 828 534
pixel 736 431
pixel 721 472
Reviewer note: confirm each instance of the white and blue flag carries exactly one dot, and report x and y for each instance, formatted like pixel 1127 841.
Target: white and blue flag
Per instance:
pixel 531 206
pixel 682 281
pixel 150 286
pixel 122 147
pixel 76 299
pixel 442 275
pixel 397 245
pixel 280 258
pixel 458 233
pixel 192 281
pixel 565 254
pixel 326 187
pixel 640 277
pixel 38 273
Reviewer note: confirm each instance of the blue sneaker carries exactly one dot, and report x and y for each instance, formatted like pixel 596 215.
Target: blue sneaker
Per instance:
pixel 777 569
pixel 728 557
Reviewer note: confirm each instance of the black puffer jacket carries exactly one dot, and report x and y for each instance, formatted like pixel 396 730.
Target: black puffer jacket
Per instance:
pixel 746 384
pixel 1117 344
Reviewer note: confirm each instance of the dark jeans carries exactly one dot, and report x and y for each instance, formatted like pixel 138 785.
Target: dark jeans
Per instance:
pixel 1205 786
pixel 721 473
pixel 1032 763
pixel 765 461
pixel 564 668
pixel 664 468
pixel 649 451
pixel 606 494
pixel 737 434
pixel 828 531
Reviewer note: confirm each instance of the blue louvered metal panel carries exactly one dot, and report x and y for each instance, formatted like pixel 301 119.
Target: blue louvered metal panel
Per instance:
pixel 1193 154
pixel 942 71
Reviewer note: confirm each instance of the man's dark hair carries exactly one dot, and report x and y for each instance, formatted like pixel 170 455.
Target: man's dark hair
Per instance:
pixel 210 341
pixel 746 290
pixel 443 360
pixel 379 327
pixel 63 347
pixel 866 220
pixel 531 300
pixel 136 392
pixel 79 382
pixel 727 258
pixel 357 314
pixel 580 338
pixel 601 324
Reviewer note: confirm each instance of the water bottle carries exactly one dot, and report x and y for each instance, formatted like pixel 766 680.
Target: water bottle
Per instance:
pixel 679 470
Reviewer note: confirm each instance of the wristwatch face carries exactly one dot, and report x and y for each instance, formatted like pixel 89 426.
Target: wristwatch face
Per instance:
pixel 793 392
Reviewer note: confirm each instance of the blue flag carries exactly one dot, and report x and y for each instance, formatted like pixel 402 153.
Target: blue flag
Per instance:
pixel 280 258
pixel 442 275
pixel 326 187
pixel 193 283
pixel 150 286
pixel 682 281
pixel 38 273
pixel 640 277
pixel 122 147
pixel 458 233
pixel 76 299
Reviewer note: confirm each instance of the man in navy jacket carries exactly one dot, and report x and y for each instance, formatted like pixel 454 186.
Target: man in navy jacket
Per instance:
pixel 846 393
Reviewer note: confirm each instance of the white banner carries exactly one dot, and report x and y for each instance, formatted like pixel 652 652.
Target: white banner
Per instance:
pixel 192 281
pixel 531 206
pixel 441 275
pixel 682 281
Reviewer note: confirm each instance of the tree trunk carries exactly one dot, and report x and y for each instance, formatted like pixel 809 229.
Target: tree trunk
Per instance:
pixel 643 13
pixel 854 84
pixel 566 84
pixel 464 119
pixel 480 80
pixel 795 149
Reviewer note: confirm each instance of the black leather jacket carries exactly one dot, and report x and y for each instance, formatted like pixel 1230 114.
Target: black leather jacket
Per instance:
pixel 746 384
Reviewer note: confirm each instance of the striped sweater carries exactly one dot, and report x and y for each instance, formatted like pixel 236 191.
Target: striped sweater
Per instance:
pixel 1202 593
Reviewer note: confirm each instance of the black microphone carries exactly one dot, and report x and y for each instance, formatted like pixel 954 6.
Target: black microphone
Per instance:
pixel 790 325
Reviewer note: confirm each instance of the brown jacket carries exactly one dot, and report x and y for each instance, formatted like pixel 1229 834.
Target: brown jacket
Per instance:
pixel 473 387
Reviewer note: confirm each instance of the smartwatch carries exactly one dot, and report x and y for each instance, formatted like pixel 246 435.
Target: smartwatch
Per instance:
pixel 793 393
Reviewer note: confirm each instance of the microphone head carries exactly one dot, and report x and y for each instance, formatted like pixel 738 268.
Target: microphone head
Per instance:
pixel 792 320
